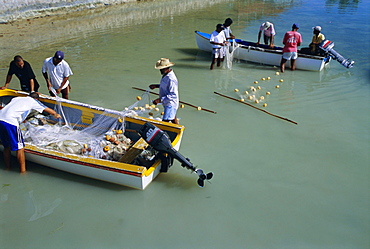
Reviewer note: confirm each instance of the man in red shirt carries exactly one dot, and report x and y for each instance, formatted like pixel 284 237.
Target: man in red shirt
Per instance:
pixel 292 39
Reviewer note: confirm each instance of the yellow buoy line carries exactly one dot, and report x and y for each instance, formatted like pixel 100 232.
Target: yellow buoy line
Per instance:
pixel 254 94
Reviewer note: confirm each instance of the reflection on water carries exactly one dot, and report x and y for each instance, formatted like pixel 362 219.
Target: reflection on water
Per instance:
pixel 344 5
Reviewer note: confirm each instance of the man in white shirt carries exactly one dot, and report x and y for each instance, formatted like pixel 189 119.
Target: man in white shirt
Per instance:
pixel 227 28
pixel 11 116
pixel 268 33
pixel 59 72
pixel 218 41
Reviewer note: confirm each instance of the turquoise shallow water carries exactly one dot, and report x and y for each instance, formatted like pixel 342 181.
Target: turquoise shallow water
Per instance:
pixel 276 184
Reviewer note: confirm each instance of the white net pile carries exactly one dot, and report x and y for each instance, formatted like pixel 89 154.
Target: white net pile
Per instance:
pixel 98 136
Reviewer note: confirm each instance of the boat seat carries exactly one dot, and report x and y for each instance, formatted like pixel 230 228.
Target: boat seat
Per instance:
pixel 134 151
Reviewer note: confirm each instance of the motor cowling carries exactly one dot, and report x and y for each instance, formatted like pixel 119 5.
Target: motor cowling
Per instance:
pixel 160 141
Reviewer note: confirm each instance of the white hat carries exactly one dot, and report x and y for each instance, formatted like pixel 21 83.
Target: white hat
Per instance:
pixel 163 63
pixel 318 28
pixel 266 25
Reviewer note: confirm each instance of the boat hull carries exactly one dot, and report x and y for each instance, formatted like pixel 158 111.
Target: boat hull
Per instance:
pixel 262 54
pixel 130 175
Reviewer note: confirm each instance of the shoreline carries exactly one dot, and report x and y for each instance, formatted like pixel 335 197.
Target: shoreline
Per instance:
pixel 23 35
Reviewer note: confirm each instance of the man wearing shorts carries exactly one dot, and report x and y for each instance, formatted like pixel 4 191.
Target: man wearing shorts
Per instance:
pixel 218 41
pixel 292 39
pixel 11 116
pixel 168 90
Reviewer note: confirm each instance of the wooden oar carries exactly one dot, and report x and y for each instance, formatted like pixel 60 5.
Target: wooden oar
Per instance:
pixel 256 108
pixel 182 102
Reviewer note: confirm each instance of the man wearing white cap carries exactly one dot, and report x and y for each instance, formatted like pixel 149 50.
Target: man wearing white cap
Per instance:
pixel 317 38
pixel 268 33
pixel 59 72
pixel 168 90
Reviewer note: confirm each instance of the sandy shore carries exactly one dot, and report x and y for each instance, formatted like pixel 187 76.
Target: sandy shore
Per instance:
pixel 22 35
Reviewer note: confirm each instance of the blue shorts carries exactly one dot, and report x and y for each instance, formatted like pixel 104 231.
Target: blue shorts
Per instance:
pixel 169 113
pixel 11 136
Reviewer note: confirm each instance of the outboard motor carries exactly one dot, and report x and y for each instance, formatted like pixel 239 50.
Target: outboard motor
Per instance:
pixel 161 142
pixel 327 46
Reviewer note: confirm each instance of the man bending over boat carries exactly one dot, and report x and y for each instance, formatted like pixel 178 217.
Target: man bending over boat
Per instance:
pixel 292 39
pixel 218 41
pixel 23 70
pixel 168 90
pixel 268 33
pixel 11 116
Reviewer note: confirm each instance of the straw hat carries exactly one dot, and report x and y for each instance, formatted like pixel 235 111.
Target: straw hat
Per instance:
pixel 163 63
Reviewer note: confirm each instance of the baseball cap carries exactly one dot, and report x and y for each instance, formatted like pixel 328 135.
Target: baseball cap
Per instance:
pixel 318 28
pixel 220 26
pixel 295 26
pixel 267 25
pixel 59 55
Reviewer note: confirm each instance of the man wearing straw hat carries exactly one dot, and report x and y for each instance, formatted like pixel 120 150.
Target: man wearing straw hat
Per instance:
pixel 168 90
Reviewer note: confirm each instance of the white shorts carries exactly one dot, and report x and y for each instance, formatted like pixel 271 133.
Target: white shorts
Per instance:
pixel 218 53
pixel 290 55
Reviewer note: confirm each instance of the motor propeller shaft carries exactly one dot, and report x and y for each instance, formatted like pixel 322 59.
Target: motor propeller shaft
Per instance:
pixel 160 141
pixel 327 46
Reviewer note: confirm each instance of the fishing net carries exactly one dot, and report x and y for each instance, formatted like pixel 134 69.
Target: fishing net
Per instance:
pixel 229 54
pixel 97 133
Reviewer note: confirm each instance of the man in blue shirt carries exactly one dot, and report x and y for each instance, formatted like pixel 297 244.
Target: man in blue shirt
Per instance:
pixel 168 90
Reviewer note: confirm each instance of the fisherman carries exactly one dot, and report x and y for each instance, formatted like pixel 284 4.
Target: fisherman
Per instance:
pixel 168 90
pixel 227 29
pixel 218 41
pixel 59 72
pixel 317 38
pixel 23 70
pixel 292 39
pixel 11 116
pixel 268 33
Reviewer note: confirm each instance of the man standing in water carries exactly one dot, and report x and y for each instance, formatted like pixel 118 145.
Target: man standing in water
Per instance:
pixel 23 70
pixel 218 41
pixel 11 116
pixel 292 39
pixel 59 72
pixel 168 90
pixel 268 33
pixel 227 28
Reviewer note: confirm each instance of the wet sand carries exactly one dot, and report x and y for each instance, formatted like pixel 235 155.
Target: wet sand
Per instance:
pixel 24 34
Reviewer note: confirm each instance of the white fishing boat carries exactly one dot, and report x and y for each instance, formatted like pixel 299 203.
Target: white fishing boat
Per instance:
pixel 108 145
pixel 263 54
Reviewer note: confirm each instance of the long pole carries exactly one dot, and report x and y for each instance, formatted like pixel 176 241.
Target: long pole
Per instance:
pixel 256 108
pixel 182 102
